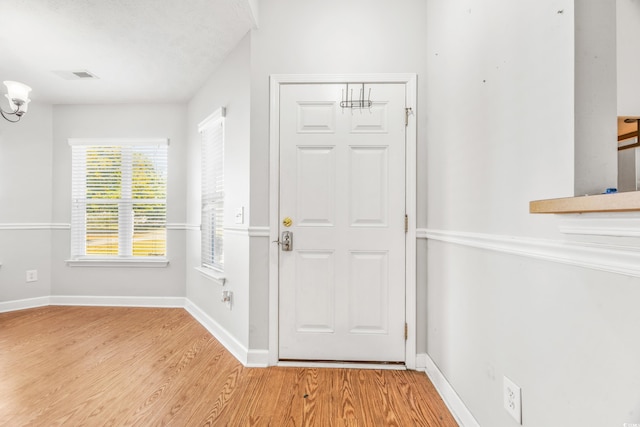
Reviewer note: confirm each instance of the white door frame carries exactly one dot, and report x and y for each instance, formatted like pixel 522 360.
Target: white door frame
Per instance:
pixel 410 80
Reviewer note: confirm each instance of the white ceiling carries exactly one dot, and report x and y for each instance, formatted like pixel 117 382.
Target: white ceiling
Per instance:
pixel 140 50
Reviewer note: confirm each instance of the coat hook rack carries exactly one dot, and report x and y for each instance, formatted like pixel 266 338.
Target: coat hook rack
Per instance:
pixel 359 103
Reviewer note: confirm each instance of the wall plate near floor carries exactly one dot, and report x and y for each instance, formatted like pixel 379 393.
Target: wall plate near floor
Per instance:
pixel 512 396
pixel 227 297
pixel 32 276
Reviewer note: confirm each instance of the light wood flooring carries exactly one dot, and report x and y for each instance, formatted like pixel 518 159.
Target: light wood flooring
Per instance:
pixel 110 366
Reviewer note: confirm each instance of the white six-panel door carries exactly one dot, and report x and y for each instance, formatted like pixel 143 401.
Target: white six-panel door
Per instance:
pixel 342 185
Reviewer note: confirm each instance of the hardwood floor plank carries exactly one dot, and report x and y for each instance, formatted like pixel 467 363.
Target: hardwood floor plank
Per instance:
pixel 119 366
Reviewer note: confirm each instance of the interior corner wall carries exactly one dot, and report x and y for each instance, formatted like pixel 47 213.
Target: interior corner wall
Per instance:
pixel 596 90
pixel 227 87
pixel 627 170
pixel 25 204
pixel 119 121
pixel 500 110
pixel 628 60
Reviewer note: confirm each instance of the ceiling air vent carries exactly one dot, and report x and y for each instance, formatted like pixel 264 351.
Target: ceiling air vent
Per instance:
pixel 84 75
pixel 76 75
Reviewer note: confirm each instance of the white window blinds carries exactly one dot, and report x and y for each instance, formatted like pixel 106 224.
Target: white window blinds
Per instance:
pixel 212 141
pixel 119 198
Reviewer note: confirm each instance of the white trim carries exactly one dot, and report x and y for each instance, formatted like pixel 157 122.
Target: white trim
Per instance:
pixel 456 406
pixel 341 365
pixel 613 259
pixel 410 81
pixel 259 231
pixel 67 226
pixel 182 226
pixel 278 79
pixel 243 231
pixel 223 336
pixel 274 201
pixel 421 233
pixel 117 301
pixel 620 225
pixel 93 301
pixel 23 304
pixel 257 359
pixel 35 226
pixel 118 141
pixel 118 263
pixel 212 118
pixel 214 275
pixel 249 231
pixel 411 193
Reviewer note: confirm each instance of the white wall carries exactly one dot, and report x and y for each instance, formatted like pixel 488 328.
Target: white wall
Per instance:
pixel 628 83
pixel 596 145
pixel 500 113
pixel 228 87
pixel 627 176
pixel 25 203
pixel 120 121
pixel 628 58
pixel 499 134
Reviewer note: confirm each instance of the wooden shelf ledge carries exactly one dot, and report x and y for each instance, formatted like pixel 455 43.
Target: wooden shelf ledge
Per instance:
pixel 616 202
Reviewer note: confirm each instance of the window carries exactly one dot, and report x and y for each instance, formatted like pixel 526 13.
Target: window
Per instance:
pixel 119 199
pixel 212 140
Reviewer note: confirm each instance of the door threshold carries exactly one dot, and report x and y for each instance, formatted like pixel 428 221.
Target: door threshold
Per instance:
pixel 340 364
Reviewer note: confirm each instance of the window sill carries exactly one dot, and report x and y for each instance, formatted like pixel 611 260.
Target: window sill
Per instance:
pixel 119 263
pixel 214 275
pixel 616 202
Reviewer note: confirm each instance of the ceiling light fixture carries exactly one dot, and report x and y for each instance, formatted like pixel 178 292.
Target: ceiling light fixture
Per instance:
pixel 18 96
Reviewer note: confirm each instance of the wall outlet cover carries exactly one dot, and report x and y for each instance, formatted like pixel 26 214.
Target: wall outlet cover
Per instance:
pixel 512 396
pixel 32 276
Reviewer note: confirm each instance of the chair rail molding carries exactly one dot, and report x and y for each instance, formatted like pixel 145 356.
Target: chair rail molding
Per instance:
pixel 597 256
pixel 624 224
pixel 259 231
pixel 34 226
pixel 67 226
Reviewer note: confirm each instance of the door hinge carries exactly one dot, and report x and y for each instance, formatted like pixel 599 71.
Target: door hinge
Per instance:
pixel 406 332
pixel 407 113
pixel 406 223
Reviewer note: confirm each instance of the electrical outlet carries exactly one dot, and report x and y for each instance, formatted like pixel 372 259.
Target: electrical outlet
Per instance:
pixel 512 399
pixel 226 298
pixel 32 275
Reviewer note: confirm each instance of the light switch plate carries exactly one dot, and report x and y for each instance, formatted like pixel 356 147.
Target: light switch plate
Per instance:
pixel 240 216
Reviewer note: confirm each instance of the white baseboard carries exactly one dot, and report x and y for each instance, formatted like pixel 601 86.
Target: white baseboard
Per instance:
pixel 341 365
pixel 23 304
pixel 113 301
pixel 457 407
pixel 223 336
